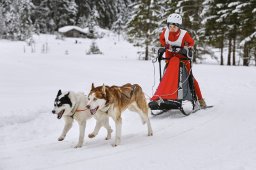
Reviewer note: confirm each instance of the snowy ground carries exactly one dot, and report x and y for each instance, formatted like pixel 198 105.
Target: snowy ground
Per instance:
pixel 221 138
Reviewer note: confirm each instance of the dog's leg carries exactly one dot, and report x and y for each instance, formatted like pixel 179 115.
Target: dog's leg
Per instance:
pixel 150 131
pixel 108 127
pixel 118 122
pixel 82 126
pixel 144 116
pixel 96 129
pixel 68 125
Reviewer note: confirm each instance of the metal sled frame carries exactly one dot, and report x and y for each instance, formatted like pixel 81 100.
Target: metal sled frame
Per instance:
pixel 167 105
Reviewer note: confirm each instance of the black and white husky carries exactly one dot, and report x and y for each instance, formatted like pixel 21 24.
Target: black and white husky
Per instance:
pixel 70 106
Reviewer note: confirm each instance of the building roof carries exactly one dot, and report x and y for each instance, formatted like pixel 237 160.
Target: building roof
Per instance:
pixel 69 28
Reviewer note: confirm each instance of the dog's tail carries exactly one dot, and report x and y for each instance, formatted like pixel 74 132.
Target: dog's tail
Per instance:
pixel 140 98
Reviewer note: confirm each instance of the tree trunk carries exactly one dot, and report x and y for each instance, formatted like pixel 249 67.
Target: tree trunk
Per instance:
pixel 255 56
pixel 229 51
pixel 221 56
pixel 147 28
pixel 246 56
pixel 146 52
pixel 195 54
pixel 221 52
pixel 234 52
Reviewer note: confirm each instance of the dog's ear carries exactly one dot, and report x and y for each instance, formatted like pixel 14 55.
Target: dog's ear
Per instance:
pixel 93 86
pixel 104 89
pixel 59 93
pixel 67 99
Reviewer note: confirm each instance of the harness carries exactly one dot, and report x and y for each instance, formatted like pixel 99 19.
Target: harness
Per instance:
pixel 107 106
pixel 131 93
pixel 75 110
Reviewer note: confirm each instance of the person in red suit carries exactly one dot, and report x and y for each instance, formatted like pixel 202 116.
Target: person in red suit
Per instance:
pixel 173 35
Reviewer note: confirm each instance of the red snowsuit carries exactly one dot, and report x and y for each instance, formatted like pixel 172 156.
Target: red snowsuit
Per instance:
pixel 167 88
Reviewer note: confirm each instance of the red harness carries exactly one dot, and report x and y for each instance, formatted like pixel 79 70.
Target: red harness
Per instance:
pixel 81 110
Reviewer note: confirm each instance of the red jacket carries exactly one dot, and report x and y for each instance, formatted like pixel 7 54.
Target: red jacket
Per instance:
pixel 173 36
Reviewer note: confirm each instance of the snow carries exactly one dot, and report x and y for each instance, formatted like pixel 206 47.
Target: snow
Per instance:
pixel 247 39
pixel 68 28
pixel 223 137
pixel 98 31
pixel 233 4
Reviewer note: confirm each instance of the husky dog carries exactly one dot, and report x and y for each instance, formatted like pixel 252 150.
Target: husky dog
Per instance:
pixel 70 106
pixel 112 101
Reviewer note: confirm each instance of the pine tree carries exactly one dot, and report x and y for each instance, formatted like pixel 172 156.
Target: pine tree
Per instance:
pixel 214 31
pixel 191 14
pixel 107 12
pixel 144 24
pixel 62 13
pixel 26 25
pixel 2 21
pixel 123 16
pixel 16 23
pixel 84 8
pixel 247 18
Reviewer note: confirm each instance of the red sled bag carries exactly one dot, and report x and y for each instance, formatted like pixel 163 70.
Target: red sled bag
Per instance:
pixel 168 87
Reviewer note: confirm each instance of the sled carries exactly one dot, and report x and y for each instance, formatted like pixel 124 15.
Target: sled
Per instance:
pixel 179 80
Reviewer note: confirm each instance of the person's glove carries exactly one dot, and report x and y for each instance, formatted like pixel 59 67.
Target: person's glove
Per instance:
pixel 190 52
pixel 168 46
pixel 183 52
pixel 160 53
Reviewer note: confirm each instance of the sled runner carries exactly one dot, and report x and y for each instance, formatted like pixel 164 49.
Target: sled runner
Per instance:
pixel 176 86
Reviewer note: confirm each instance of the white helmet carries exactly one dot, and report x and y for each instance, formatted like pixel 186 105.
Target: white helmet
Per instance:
pixel 174 18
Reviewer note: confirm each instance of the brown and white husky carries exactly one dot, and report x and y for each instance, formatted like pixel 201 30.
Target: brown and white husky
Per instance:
pixel 114 100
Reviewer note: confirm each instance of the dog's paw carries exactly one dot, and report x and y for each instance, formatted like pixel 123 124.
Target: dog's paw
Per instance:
pixel 61 138
pixel 91 135
pixel 114 145
pixel 150 134
pixel 78 145
pixel 108 137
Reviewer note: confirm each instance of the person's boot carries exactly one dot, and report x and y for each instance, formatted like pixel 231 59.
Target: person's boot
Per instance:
pixel 202 103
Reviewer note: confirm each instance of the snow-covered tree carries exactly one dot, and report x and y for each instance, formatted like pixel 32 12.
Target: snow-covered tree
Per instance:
pixel 2 21
pixel 62 13
pixel 214 28
pixel 191 11
pixel 83 11
pixel 26 25
pixel 144 23
pixel 123 16
pixel 16 22
pixel 247 18
pixel 107 12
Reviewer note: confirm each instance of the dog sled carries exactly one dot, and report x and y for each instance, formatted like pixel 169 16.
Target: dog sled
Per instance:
pixel 176 89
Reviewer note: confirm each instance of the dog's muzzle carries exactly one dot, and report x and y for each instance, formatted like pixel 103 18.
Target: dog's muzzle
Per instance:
pixel 59 115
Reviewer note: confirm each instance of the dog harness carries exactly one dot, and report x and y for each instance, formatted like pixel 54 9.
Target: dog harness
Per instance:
pixel 75 109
